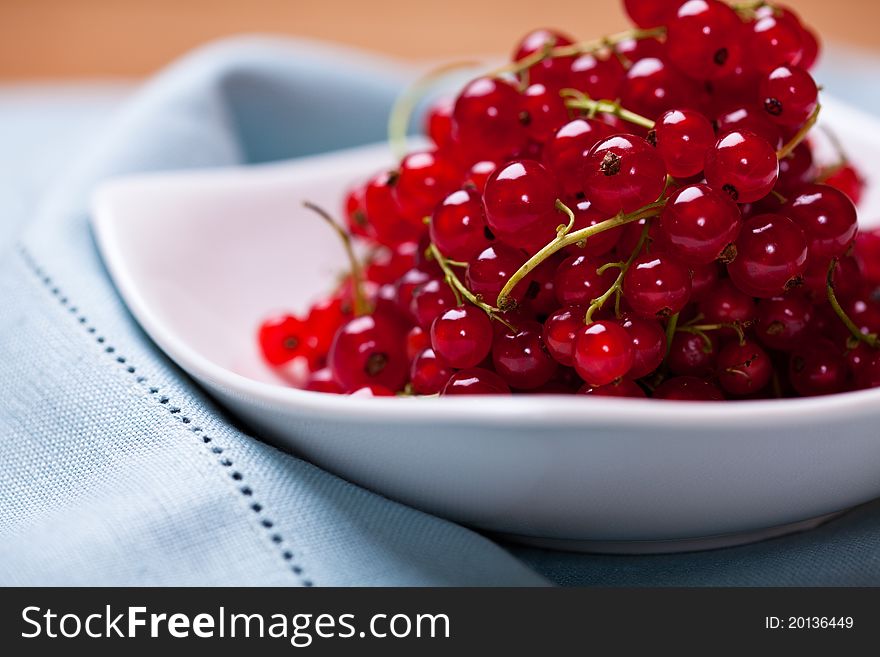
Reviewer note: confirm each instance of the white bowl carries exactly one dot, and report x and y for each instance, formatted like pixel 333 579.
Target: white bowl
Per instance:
pixel 201 256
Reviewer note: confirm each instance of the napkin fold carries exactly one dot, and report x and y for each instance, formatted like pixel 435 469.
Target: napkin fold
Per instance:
pixel 118 470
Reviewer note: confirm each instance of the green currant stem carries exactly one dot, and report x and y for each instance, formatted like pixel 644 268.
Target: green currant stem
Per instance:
pixel 361 307
pixel 566 238
pixel 800 135
pixel 617 285
pixel 870 339
pixel 574 49
pixel 671 326
pixel 702 329
pixel 460 289
pixel 406 102
pixel 577 100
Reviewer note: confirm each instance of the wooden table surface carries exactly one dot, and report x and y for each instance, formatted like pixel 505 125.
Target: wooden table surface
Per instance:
pixel 76 38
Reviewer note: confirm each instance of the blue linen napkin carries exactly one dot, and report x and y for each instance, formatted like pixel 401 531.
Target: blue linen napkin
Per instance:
pixel 118 470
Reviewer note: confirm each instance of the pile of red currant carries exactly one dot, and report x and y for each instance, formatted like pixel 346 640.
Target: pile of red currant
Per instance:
pixel 636 216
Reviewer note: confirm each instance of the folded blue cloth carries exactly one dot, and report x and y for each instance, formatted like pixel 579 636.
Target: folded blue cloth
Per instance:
pixel 118 470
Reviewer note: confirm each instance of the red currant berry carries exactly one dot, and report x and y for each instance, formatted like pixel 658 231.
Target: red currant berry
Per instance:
pixel 699 225
pixel 430 300
pixel 521 358
pixel 388 264
pixel 462 336
pixel 586 215
pixel 438 123
pixel 827 217
pixel 565 154
pixel 543 111
pixel 623 173
pixel 691 354
pixel 406 287
pixel 458 227
pixel 771 256
pixel 429 373
pixel 520 201
pixel 322 381
pixel 650 13
pixel 603 353
pixel 743 165
pixel 475 381
pixel 783 322
pixel 561 330
pixel 383 213
pixel 372 390
pixel 703 281
pixel 703 39
pixel 751 118
pixel 869 376
pixel 424 179
pixel 369 349
pixel 486 119
pixel 577 281
pixel 817 369
pixel 849 181
pixel 597 77
pixel 284 338
pixel 417 340
pixel 356 213
pixel 683 138
pixel 688 388
pixel 550 71
pixel 789 95
pixel 649 345
pixel 867 253
pixel 652 87
pixel 619 388
pixel 796 170
pixel 743 369
pixel 479 174
pixel 811 48
pixel 657 285
pixel 632 50
pixel 487 274
pixel 775 39
pixel 540 295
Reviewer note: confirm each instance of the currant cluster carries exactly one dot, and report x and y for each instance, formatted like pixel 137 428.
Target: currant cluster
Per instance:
pixel 635 216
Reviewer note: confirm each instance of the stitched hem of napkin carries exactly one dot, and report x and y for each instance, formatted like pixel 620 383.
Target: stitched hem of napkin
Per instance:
pixel 220 453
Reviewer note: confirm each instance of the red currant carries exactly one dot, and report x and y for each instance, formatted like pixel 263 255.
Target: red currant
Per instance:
pixel 458 226
pixel 430 300
pixel 789 95
pixel 372 390
pixel 827 217
pixel 322 381
pixel 462 336
pixel 751 118
pixel 649 345
pixel 543 111
pixel 691 354
pixel 619 388
pixel 487 274
pixel 596 76
pixel 743 165
pixel 683 138
pixel 652 86
pixel 867 254
pixel 475 381
pixel 424 179
pixel 369 349
pixel 783 322
pixel 699 225
pixel 623 173
pixel 520 200
pixel 486 119
pixel 603 353
pixel 565 154
pixel 577 281
pixel 550 71
pixel 775 39
pixel 656 285
pixel 383 213
pixel 817 369
pixel 561 330
pixel 284 338
pixel 650 13
pixel 771 256
pixel 688 388
pixel 429 373
pixel 743 369
pixel 521 358
pixel 703 39
pixel 438 123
